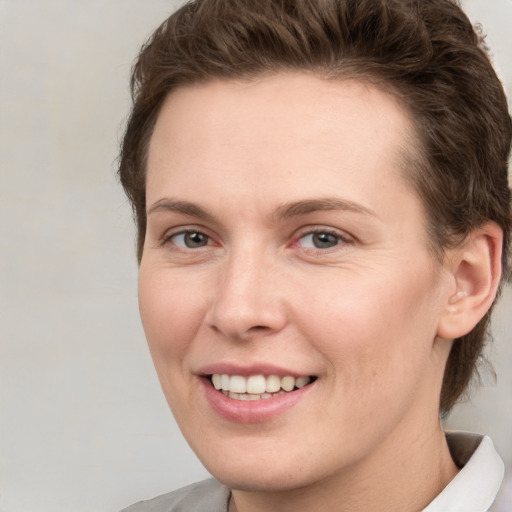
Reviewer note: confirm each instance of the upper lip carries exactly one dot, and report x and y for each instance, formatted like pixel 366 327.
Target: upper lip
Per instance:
pixel 248 370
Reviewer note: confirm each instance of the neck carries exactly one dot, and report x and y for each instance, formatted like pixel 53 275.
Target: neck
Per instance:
pixel 406 475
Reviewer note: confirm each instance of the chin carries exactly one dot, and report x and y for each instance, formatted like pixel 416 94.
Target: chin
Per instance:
pixel 260 479
pixel 260 465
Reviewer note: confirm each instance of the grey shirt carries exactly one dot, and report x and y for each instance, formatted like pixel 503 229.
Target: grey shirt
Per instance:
pixel 473 489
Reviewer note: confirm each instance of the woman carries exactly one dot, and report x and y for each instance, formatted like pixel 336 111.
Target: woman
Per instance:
pixel 323 216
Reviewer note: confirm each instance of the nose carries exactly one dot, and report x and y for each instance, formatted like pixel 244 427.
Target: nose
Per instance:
pixel 249 299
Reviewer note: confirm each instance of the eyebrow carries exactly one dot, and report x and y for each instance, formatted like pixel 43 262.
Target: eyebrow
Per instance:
pixel 298 208
pixel 284 211
pixel 183 207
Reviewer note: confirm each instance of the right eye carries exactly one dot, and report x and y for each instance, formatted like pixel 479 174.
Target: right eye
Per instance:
pixel 191 239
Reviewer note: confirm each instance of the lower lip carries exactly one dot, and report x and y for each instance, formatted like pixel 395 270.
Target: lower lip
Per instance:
pixel 251 411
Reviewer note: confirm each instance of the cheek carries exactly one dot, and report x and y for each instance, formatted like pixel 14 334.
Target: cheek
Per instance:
pixel 170 314
pixel 376 333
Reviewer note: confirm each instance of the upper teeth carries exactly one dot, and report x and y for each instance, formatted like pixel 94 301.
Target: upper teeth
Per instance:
pixel 257 384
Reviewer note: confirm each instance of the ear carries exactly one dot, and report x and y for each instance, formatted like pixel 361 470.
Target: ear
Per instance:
pixel 475 272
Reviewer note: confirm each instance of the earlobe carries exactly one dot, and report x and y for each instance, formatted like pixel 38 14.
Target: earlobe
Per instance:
pixel 476 272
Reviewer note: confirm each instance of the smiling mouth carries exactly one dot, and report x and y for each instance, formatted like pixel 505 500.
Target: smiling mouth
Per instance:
pixel 257 387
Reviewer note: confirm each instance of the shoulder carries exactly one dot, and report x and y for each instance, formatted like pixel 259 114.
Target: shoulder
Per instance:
pixel 206 496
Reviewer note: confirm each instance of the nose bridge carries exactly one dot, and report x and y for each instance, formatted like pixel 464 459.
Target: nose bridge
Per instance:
pixel 247 298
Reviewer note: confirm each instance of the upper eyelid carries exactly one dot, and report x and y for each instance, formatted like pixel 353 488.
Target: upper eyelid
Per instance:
pixel 307 230
pixel 185 229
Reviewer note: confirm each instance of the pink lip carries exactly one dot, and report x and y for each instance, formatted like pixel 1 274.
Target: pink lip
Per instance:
pixel 246 371
pixel 251 411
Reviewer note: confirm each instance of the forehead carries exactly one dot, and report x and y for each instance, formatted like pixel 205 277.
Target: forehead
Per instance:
pixel 286 101
pixel 280 132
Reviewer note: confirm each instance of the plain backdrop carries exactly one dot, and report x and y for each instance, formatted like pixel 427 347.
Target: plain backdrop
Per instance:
pixel 83 424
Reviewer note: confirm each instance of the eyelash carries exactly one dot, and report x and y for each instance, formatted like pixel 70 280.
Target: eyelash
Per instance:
pixel 169 238
pixel 342 238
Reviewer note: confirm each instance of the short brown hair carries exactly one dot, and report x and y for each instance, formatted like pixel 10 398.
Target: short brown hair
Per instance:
pixel 425 52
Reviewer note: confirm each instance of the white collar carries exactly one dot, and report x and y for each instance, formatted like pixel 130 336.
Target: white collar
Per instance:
pixel 476 485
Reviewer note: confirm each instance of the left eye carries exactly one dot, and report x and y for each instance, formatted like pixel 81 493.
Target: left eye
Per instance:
pixel 320 240
pixel 190 239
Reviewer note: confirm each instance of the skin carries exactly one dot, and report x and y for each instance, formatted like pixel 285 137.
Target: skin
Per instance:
pixel 364 315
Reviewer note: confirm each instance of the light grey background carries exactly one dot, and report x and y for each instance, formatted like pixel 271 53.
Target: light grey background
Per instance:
pixel 83 424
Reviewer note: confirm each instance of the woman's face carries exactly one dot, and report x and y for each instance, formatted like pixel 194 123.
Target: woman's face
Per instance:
pixel 284 247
